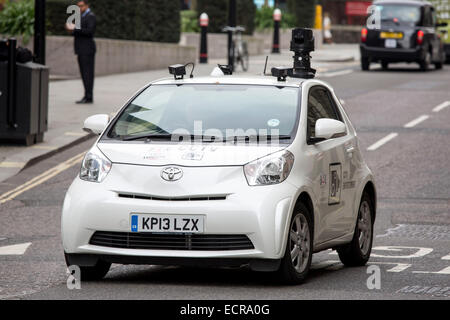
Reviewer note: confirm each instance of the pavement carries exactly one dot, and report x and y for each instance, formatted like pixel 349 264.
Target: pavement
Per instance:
pixel 111 92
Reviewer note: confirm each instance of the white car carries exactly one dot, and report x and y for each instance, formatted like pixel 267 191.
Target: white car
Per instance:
pixel 222 170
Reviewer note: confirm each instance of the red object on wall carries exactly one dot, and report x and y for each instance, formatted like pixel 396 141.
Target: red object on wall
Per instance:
pixel 357 8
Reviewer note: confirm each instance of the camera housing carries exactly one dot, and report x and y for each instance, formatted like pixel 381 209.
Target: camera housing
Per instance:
pixel 178 71
pixel 302 45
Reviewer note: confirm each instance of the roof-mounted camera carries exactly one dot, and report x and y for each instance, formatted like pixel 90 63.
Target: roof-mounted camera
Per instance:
pixel 302 45
pixel 281 73
pixel 178 71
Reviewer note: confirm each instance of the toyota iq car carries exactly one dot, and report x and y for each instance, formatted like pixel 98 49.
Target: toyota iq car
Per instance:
pixel 407 32
pixel 222 171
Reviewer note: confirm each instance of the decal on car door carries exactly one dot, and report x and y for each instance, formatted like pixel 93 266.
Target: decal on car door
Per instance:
pixel 335 184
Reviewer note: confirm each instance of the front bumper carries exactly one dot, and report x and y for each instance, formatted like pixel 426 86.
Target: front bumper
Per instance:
pixel 375 54
pixel 261 213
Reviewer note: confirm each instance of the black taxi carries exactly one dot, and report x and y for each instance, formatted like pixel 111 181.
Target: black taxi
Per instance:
pixel 406 32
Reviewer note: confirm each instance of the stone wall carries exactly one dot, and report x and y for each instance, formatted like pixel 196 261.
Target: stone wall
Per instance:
pixel 115 56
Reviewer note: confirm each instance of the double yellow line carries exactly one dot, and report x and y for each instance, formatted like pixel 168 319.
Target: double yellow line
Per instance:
pixel 47 175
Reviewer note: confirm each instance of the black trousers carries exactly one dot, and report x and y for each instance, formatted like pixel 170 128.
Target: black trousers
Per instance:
pixel 87 70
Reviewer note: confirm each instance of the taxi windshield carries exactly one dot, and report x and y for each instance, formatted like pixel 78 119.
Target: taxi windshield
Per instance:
pixel 225 111
pixel 400 13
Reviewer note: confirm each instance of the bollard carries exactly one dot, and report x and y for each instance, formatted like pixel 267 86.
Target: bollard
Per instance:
pixel 204 22
pixel 276 31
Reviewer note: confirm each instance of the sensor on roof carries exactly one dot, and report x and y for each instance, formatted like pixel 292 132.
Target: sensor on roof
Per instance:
pixel 281 73
pixel 178 71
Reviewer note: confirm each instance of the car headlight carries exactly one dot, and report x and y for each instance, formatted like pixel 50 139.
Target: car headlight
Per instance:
pixel 95 166
pixel 269 170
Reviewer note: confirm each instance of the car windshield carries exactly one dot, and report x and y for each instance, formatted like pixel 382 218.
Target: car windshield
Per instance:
pixel 400 13
pixel 219 111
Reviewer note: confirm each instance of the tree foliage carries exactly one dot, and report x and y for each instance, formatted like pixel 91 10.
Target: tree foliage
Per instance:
pixel 17 19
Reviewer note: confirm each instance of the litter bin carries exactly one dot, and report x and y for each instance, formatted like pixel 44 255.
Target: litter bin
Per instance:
pixel 23 119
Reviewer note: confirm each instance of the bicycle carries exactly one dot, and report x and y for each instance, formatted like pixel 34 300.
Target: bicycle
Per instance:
pixel 239 47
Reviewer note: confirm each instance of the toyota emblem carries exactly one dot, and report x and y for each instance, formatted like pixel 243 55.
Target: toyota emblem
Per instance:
pixel 171 174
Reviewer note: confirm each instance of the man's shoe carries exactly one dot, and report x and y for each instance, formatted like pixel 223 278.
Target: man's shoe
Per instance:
pixel 85 101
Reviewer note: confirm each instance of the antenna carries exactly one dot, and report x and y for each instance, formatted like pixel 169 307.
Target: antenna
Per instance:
pixel 265 67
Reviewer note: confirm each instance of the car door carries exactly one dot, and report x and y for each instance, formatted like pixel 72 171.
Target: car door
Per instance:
pixel 331 167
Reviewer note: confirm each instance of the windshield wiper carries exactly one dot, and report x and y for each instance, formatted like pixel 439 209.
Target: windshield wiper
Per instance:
pixel 147 136
pixel 193 138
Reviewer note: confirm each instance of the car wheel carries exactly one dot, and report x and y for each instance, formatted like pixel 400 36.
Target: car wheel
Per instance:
pixel 384 65
pixel 425 63
pixel 357 252
pixel 93 273
pixel 296 262
pixel 365 64
pixel 438 65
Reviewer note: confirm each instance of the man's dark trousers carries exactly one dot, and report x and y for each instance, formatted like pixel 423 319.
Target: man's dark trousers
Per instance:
pixel 87 70
pixel 85 49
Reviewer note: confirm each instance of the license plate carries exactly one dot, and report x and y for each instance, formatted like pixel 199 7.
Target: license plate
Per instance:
pixel 391 35
pixel 390 43
pixel 167 223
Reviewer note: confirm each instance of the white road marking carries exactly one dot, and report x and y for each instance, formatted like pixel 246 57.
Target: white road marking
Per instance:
pixel 443 271
pixel 398 267
pixel 336 73
pixel 14 250
pixel 420 252
pixel 382 142
pixel 446 257
pixel 442 106
pixel 415 122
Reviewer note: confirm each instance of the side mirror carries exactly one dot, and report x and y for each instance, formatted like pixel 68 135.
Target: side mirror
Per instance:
pixel 330 129
pixel 96 124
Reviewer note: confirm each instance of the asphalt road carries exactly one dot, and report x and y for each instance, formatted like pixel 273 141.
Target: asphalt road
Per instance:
pixel 404 141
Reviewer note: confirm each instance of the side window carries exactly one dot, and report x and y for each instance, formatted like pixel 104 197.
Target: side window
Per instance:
pixel 320 105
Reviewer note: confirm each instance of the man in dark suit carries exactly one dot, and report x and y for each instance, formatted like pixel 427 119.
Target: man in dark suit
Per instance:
pixel 85 49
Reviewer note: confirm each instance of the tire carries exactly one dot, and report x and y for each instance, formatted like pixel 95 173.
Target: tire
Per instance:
pixel 94 273
pixel 384 65
pixel 294 270
pixel 438 65
pixel 357 252
pixel 365 64
pixel 425 63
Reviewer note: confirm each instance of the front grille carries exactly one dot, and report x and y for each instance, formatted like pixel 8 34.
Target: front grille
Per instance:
pixel 152 241
pixel 156 198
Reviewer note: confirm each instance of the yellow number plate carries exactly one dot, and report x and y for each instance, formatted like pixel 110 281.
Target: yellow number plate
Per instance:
pixel 391 35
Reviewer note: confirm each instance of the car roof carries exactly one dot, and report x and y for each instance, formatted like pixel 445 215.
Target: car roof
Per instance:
pixel 236 80
pixel 409 2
